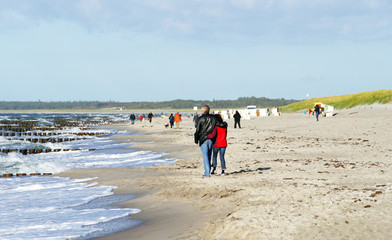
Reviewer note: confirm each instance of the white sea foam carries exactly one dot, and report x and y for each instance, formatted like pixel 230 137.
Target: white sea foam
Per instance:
pixel 41 208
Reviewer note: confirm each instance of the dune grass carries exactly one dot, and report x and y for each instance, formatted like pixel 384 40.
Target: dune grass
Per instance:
pixel 344 101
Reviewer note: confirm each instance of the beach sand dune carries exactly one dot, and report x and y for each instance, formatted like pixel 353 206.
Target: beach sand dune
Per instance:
pixel 289 177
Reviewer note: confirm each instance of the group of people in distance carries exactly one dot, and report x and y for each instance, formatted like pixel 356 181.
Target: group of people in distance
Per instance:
pixel 173 119
pixel 176 118
pixel 132 117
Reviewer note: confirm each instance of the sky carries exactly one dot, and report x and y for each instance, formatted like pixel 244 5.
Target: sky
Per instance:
pixel 158 50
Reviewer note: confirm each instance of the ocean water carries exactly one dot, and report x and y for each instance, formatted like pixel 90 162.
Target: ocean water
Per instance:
pixel 47 207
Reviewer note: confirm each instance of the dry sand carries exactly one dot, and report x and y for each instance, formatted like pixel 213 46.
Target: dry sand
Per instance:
pixel 290 177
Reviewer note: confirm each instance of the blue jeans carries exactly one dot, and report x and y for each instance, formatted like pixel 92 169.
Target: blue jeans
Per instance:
pixel 317 115
pixel 206 150
pixel 132 121
pixel 221 151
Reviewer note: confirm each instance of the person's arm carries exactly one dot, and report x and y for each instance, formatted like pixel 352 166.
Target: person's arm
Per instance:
pixel 213 134
pixel 221 124
pixel 196 135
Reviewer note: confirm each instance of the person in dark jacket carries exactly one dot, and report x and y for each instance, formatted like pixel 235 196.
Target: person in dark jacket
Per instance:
pixel 220 144
pixel 196 119
pixel 132 118
pixel 150 116
pixel 317 111
pixel 237 119
pixel 171 120
pixel 205 126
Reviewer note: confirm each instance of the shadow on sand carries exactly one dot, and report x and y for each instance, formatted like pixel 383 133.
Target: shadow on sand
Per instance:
pixel 247 171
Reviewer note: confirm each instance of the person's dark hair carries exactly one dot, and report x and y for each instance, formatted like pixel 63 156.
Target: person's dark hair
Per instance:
pixel 219 117
pixel 206 109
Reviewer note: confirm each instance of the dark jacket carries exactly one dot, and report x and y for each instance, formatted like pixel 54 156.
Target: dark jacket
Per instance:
pixel 237 117
pixel 196 119
pixel 204 127
pixel 132 117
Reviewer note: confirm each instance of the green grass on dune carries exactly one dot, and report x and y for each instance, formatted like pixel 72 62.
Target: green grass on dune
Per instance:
pixel 344 101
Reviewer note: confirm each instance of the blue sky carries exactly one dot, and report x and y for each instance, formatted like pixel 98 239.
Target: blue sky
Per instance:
pixel 156 50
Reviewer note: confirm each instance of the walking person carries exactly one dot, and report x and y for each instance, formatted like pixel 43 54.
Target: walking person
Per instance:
pixel 150 116
pixel 220 144
pixel 177 119
pixel 132 118
pixel 237 119
pixel 171 120
pixel 196 119
pixel 205 126
pixel 317 111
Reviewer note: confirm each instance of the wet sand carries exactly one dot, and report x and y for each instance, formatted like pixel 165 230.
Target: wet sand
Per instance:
pixel 289 177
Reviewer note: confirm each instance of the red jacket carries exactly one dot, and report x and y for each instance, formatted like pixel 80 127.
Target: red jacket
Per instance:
pixel 220 135
pixel 177 117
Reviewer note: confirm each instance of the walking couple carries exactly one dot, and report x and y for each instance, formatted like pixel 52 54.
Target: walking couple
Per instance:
pixel 211 135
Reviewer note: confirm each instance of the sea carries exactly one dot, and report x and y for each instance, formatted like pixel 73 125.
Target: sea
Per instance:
pixel 34 204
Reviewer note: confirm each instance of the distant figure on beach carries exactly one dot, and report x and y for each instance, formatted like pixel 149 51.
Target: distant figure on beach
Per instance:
pixel 177 119
pixel 150 116
pixel 205 126
pixel 237 119
pixel 171 120
pixel 132 118
pixel 317 111
pixel 196 119
pixel 140 117
pixel 220 144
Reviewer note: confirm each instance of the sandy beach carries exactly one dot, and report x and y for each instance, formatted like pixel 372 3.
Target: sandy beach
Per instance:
pixel 289 177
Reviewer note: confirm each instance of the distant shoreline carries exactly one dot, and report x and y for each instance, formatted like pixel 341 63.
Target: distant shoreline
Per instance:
pixel 127 111
pixel 161 110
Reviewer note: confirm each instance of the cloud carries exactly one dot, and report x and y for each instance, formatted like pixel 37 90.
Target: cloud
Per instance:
pixel 211 12
pixel 248 4
pixel 170 24
pixel 159 4
pixel 263 21
pixel 89 7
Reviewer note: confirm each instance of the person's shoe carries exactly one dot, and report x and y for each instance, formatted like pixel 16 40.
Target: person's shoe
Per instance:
pixel 213 171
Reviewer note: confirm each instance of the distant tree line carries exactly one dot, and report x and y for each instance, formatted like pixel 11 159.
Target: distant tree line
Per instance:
pixel 173 104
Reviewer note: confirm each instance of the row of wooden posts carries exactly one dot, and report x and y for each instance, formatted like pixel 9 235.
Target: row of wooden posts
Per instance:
pixel 6 175
pixel 47 140
pixel 14 134
pixel 24 129
pixel 21 125
pixel 39 150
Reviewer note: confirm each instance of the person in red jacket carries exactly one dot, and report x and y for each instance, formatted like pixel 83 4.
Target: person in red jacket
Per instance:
pixel 177 119
pixel 220 144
